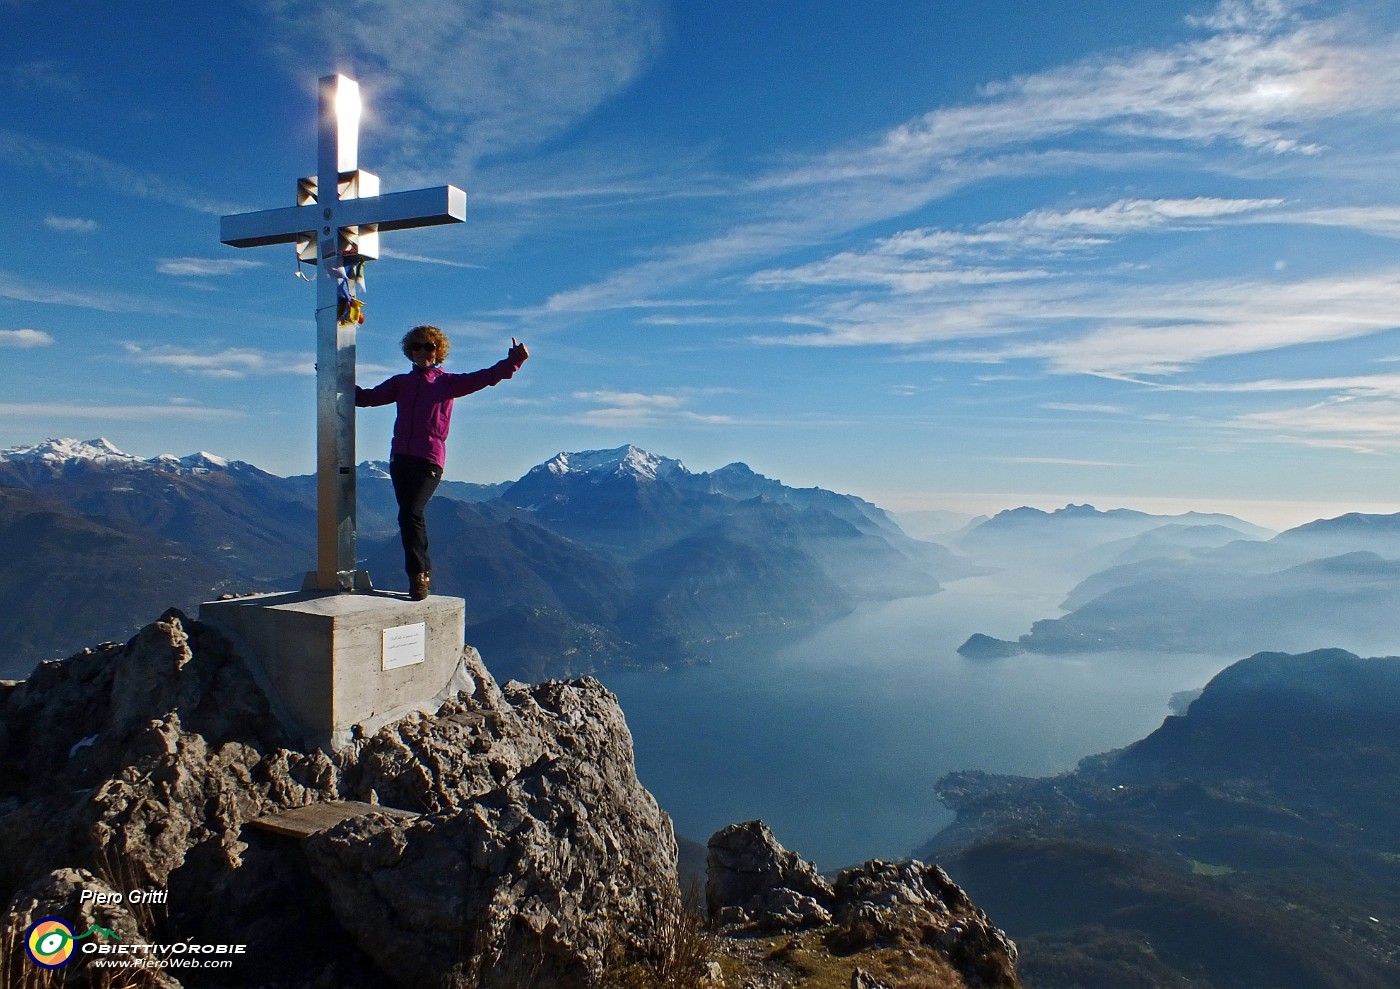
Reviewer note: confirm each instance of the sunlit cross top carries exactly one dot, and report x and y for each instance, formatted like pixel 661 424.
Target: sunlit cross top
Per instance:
pixel 337 221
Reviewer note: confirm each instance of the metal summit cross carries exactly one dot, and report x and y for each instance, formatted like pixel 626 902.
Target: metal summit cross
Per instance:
pixel 332 230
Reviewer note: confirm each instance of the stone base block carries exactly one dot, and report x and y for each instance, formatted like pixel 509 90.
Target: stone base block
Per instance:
pixel 332 662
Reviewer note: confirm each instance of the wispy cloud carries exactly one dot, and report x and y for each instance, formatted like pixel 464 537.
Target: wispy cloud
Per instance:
pixel 121 413
pixel 24 339
pixel 1361 425
pixel 1358 385
pixel 927 258
pixel 1261 79
pixel 386 252
pixel 621 409
pixel 70 224
pixel 84 168
pixel 204 267
pixel 456 81
pixel 231 362
pixel 1066 461
pixel 1120 330
pixel 1257 75
pixel 45 75
pixel 24 290
pixel 1082 407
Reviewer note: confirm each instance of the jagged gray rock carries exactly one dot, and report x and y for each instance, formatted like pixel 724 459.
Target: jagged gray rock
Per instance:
pixel 859 980
pixel 141 764
pixel 756 885
pixel 559 855
pixel 532 855
pixel 916 903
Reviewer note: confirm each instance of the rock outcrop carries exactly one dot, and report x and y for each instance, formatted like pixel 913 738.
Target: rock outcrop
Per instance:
pixel 502 842
pixel 532 852
pixel 756 886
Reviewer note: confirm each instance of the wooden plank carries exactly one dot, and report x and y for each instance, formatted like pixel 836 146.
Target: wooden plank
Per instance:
pixel 299 822
pixel 476 719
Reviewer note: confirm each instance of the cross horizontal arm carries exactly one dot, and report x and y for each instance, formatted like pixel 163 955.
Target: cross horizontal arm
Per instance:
pixel 269 226
pixel 405 210
pixel 395 211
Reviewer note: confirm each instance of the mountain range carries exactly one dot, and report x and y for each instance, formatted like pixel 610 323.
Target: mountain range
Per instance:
pixel 625 557
pixel 594 557
pixel 1201 583
pixel 1247 843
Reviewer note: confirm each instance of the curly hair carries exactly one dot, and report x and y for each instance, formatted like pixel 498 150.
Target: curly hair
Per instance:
pixel 432 335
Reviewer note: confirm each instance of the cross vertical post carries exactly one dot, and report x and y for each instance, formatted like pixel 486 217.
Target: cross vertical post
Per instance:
pixel 337 221
pixel 337 152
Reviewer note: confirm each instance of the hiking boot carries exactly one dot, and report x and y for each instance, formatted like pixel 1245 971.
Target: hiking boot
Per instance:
pixel 418 585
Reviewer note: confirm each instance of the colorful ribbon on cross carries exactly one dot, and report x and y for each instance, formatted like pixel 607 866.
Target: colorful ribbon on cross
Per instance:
pixel 349 309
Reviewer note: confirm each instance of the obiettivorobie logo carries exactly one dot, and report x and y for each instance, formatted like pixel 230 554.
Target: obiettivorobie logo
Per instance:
pixel 49 942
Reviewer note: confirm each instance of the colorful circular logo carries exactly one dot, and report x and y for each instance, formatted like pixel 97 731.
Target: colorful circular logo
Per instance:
pixel 49 943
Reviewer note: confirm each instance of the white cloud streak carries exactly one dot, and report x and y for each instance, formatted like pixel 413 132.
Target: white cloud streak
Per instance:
pixel 1064 461
pixel 1252 82
pixel 231 362
pixel 1260 80
pixel 1354 424
pixel 205 267
pixel 25 339
pixel 84 168
pixel 624 409
pixel 923 259
pixel 455 80
pixel 70 224
pixel 23 290
pixel 385 252
pixel 121 413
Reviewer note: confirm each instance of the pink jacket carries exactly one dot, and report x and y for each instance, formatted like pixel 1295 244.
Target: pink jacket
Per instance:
pixel 424 397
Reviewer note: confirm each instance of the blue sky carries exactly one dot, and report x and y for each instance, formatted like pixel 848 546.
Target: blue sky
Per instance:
pixel 935 254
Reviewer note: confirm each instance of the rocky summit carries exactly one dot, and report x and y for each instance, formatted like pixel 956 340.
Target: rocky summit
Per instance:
pixel 906 921
pixel 522 842
pixel 150 800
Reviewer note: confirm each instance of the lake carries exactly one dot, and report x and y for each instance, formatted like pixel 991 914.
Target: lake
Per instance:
pixel 836 738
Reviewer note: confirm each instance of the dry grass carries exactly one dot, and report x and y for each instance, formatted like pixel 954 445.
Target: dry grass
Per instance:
pixel 802 961
pixel 683 951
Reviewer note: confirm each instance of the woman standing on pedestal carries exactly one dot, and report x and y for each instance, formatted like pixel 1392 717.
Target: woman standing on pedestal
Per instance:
pixel 419 449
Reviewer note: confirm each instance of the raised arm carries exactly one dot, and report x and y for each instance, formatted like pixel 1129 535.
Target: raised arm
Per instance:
pixel 384 393
pixel 465 384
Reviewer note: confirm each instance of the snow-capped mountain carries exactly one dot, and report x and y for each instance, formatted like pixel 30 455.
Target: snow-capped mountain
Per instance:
pixel 592 557
pixel 62 454
pixel 624 461
pixel 58 452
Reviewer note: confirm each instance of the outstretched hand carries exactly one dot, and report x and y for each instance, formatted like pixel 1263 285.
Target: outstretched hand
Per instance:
pixel 518 354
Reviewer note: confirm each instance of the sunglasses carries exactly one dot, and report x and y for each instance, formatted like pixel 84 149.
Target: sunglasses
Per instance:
pixel 422 345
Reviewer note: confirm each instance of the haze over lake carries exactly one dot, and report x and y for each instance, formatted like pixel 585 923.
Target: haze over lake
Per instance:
pixel 837 738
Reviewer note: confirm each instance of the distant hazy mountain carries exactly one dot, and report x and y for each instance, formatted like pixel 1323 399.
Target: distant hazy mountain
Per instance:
pixel 69 581
pixel 374 495
pixel 717 555
pixel 230 515
pixel 1172 540
pixel 631 503
pixel 1325 583
pixel 1080 539
pixel 1344 534
pixel 592 557
pixel 1249 843
pixel 936 523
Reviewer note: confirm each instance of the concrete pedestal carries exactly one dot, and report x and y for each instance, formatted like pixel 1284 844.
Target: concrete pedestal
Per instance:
pixel 332 661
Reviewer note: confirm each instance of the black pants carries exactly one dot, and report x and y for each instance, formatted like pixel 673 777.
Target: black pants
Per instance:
pixel 415 479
